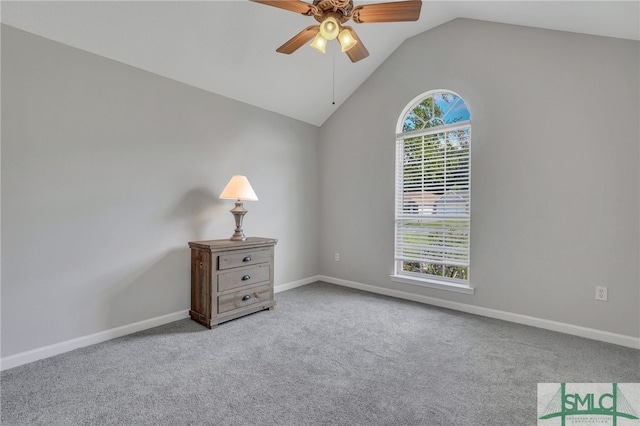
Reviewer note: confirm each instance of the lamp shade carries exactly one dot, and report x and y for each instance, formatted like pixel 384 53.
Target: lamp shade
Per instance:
pixel 346 40
pixel 319 43
pixel 329 28
pixel 239 188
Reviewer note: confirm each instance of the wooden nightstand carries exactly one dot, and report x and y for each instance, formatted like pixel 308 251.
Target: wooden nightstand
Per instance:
pixel 230 279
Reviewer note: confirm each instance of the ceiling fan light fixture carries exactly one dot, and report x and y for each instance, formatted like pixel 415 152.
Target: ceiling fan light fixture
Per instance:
pixel 346 40
pixel 333 14
pixel 319 43
pixel 329 28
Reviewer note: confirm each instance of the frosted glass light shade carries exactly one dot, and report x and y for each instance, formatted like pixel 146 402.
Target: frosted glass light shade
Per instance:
pixel 329 28
pixel 346 40
pixel 319 43
pixel 239 188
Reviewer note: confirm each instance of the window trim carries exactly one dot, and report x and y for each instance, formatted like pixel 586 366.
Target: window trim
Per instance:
pixel 440 284
pixel 430 281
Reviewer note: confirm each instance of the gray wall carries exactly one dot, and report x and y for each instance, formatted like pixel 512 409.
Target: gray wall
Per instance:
pixel 108 171
pixel 555 169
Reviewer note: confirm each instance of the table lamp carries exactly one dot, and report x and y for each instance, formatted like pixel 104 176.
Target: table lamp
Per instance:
pixel 238 189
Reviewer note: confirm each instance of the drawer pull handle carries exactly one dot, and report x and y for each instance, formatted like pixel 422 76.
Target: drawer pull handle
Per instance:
pixel 246 297
pixel 247 259
pixel 246 277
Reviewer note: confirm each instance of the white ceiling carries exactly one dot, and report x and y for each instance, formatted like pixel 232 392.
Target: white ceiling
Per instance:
pixel 228 47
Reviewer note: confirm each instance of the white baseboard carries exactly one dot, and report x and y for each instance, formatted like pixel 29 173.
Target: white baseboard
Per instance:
pixel 59 348
pixel 589 333
pixel 80 342
pixel 288 286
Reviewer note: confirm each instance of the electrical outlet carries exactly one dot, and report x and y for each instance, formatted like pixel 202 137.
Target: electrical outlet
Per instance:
pixel 337 257
pixel 601 293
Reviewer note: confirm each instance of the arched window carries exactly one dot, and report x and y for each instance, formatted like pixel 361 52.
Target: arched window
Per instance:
pixel 432 210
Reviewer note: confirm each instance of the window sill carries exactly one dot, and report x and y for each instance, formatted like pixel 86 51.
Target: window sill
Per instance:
pixel 440 285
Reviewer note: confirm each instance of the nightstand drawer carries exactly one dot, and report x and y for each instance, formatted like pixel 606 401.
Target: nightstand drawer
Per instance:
pixel 247 297
pixel 243 258
pixel 243 276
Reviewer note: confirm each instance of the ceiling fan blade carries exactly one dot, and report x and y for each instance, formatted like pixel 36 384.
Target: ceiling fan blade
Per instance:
pixel 400 11
pixel 292 5
pixel 357 52
pixel 299 39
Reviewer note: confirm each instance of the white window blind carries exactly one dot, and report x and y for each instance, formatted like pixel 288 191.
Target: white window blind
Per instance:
pixel 432 220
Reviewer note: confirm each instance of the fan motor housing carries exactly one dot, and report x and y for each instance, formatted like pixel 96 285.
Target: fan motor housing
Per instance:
pixel 339 9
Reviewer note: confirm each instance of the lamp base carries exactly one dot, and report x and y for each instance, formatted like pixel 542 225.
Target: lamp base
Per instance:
pixel 238 213
pixel 238 236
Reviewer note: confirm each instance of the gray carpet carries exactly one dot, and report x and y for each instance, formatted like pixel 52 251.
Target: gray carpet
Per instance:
pixel 326 355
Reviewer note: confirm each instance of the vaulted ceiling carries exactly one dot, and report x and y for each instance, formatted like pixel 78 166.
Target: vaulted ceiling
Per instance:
pixel 228 47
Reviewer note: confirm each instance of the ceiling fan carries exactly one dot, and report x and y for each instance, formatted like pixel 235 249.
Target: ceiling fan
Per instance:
pixel 332 14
